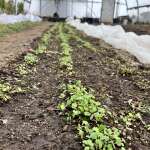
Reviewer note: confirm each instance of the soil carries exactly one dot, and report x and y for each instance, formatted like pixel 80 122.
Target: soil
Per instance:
pixel 14 44
pixel 31 121
pixel 139 29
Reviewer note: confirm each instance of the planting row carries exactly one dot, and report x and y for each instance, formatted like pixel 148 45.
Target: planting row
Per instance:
pixel 110 117
pixel 120 84
pixel 23 69
pixel 81 105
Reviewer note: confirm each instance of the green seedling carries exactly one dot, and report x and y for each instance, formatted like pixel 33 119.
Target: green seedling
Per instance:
pixel 31 59
pixel 83 103
pixel 84 43
pixel 100 137
pixel 83 106
pixel 41 49
pixel 65 59
pixel 45 40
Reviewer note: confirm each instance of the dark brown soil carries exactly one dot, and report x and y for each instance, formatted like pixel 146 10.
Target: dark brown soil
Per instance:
pixel 31 121
pixel 138 28
pixel 100 71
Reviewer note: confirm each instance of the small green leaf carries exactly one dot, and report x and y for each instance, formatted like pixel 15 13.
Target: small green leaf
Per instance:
pixel 93 135
pixel 118 142
pixel 62 106
pixel 74 105
pixel 109 147
pixel 81 133
pixel 86 148
pixel 87 113
pixel 75 113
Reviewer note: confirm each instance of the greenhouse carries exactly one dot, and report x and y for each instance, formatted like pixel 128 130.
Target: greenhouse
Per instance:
pixel 74 74
pixel 90 8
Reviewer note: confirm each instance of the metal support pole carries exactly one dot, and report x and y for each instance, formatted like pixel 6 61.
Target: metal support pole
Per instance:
pixel 16 7
pixel 66 8
pixel 40 7
pixel 126 5
pixel 72 8
pixel 30 5
pixel 92 9
pixel 138 12
pixel 86 8
pixel 117 8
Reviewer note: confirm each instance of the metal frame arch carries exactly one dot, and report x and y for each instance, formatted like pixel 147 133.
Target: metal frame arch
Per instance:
pixel 138 11
pixel 117 7
pixel 118 3
pixel 137 6
pixel 126 2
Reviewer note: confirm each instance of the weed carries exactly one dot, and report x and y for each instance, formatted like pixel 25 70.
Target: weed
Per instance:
pixel 5 88
pixel 22 69
pixel 139 106
pixel 17 89
pixel 31 59
pixel 10 28
pixel 130 118
pixel 143 84
pixel 126 70
pixel 147 127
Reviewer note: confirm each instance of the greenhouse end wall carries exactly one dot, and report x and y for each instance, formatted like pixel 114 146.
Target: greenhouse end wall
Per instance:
pixel 65 8
pixel 108 7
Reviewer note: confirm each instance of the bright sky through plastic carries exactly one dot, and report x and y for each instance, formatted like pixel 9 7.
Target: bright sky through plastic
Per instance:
pixel 132 3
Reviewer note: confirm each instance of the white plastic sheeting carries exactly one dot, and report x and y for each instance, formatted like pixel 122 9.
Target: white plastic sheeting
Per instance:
pixel 138 46
pixel 11 19
pixel 64 8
